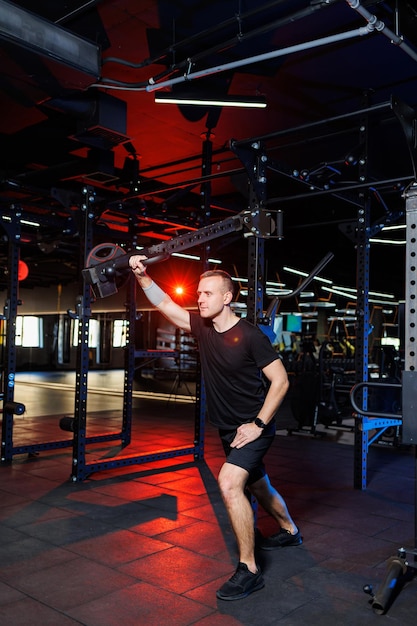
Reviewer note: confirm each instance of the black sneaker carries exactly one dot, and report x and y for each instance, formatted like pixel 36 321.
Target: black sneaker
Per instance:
pixel 241 584
pixel 281 540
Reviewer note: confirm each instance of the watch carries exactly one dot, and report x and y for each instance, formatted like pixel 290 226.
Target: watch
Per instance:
pixel 259 423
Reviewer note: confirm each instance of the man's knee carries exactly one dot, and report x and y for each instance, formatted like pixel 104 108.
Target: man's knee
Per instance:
pixel 232 479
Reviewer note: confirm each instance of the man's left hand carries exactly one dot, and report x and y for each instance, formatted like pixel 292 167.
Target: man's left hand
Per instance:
pixel 245 434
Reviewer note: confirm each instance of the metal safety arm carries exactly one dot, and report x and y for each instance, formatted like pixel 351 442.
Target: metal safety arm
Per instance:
pixel 102 275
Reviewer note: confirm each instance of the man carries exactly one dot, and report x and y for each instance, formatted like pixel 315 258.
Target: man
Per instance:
pixel 234 354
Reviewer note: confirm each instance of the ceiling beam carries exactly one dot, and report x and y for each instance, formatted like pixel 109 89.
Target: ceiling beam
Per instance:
pixel 37 34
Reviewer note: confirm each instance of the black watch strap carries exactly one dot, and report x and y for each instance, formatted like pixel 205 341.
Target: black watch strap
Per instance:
pixel 259 423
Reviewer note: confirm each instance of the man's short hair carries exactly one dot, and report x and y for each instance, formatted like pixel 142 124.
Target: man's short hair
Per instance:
pixel 227 279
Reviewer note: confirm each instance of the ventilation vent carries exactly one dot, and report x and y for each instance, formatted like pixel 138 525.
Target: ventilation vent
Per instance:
pixel 100 137
pixel 100 177
pixel 105 126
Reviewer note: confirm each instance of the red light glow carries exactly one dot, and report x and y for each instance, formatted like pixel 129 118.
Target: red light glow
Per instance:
pixel 23 271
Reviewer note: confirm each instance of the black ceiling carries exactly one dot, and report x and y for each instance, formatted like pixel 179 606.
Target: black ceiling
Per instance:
pixel 340 80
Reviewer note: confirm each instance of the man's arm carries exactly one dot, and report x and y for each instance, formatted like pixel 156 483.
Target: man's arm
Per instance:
pixel 277 376
pixel 171 310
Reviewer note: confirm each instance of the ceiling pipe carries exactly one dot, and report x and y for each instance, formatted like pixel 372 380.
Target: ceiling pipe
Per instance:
pixel 238 19
pixel 308 45
pixel 380 26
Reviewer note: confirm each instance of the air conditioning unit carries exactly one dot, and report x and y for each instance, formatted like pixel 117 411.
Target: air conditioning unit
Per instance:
pixel 106 124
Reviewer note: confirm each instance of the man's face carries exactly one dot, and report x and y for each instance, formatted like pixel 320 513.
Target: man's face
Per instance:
pixel 211 296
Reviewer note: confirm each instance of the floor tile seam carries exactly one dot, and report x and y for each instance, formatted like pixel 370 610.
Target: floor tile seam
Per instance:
pixel 166 483
pixel 183 493
pixel 12 492
pixel 25 535
pixel 93 598
pixel 218 516
pixel 200 619
pixel 218 557
pixel 118 524
pixel 139 474
pixel 137 499
pixel 194 521
pixel 193 588
pixel 396 519
pixel 158 535
pixel 361 533
pixel 212 558
pixel 10 579
pixel 291 586
pixel 69 556
pixel 204 496
pixel 25 595
pixel 48 606
pixel 139 581
pixel 105 529
pixel 116 566
pixel 18 525
pixel 187 472
pixel 357 533
pixel 125 500
pixel 374 562
pixel 5 504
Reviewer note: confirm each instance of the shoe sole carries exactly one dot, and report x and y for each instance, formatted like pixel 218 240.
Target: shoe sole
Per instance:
pixel 260 585
pixel 288 545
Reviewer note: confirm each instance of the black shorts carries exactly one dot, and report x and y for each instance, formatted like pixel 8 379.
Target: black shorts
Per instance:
pixel 250 457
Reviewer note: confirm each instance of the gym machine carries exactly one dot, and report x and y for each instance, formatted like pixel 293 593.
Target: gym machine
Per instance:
pixel 12 225
pixel 405 561
pixel 107 267
pixel 106 272
pixel 108 263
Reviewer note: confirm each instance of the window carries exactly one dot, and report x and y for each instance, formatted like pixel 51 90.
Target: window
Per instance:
pixel 93 333
pixel 119 333
pixel 29 331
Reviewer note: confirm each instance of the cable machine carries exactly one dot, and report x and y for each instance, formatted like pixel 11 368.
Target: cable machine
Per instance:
pixel 406 558
pixel 108 263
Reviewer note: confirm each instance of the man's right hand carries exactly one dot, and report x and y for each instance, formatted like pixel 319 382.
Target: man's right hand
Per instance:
pixel 136 265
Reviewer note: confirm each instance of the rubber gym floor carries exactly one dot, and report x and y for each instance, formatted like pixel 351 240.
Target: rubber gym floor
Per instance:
pixel 149 544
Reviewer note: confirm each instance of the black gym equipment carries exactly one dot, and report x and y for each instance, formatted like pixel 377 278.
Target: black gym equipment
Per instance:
pixel 17 408
pixel 108 263
pixel 405 562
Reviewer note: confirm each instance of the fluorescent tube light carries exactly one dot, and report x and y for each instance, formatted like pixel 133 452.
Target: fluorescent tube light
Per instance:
pixel 292 270
pixel 391 242
pixel 245 102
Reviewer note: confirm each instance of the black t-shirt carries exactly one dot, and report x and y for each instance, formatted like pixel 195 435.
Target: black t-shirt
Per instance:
pixel 231 364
